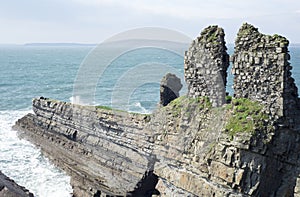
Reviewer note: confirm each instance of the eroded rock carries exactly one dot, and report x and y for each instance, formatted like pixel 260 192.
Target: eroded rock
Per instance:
pixel 170 86
pixel 8 188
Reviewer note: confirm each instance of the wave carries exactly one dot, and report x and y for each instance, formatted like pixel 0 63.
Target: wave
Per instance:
pixel 23 162
pixel 138 108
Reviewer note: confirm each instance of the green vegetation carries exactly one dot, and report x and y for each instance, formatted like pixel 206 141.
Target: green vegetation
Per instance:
pixel 119 110
pixel 104 107
pixel 177 105
pixel 228 99
pixel 248 116
pixel 281 39
pixel 183 103
pixel 247 29
pixel 212 37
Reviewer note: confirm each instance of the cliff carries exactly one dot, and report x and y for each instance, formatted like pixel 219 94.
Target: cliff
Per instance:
pixel 8 188
pixel 104 151
pixel 197 145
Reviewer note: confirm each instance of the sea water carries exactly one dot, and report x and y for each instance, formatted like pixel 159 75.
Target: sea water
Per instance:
pixel 28 72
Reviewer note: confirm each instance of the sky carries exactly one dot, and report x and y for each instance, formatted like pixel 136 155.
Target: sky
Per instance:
pixel 93 21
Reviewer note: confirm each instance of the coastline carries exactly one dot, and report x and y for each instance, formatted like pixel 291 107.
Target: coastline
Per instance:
pixel 200 144
pixel 9 187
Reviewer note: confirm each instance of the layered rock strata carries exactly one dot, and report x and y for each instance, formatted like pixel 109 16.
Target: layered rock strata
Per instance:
pixel 104 151
pixel 8 188
pixel 205 66
pixel 182 150
pixel 189 147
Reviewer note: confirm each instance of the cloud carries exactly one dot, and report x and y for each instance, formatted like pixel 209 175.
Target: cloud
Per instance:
pixel 192 9
pixel 95 20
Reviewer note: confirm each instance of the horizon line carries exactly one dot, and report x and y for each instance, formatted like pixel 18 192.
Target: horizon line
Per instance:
pixel 78 43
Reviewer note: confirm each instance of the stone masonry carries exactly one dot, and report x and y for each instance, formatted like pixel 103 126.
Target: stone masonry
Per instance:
pixel 262 72
pixel 205 66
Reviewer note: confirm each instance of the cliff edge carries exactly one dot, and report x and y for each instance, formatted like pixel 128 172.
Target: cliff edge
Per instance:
pixel 8 188
pixel 202 144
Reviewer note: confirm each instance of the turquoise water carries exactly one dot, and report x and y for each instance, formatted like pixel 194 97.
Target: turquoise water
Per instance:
pixel 27 72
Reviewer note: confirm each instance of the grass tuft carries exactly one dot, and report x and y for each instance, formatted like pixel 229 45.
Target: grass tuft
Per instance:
pixel 247 116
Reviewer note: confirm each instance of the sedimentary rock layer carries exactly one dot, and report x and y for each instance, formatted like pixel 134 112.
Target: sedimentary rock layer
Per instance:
pixel 185 145
pixel 8 188
pixel 103 150
pixel 189 147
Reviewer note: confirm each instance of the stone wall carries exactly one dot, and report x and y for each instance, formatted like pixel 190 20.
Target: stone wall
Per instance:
pixel 262 72
pixel 205 65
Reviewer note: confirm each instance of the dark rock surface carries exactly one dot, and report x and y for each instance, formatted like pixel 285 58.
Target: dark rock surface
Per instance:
pixel 186 147
pixel 205 66
pixel 170 86
pixel 8 188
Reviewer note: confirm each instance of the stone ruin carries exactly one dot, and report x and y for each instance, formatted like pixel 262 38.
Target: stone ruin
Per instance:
pixel 262 71
pixel 205 66
pixel 260 67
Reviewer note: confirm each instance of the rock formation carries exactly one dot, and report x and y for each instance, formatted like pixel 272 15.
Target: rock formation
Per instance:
pixel 104 151
pixel 170 86
pixel 205 66
pixel 8 188
pixel 188 147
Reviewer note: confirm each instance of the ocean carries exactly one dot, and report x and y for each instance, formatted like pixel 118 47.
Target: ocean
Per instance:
pixel 28 72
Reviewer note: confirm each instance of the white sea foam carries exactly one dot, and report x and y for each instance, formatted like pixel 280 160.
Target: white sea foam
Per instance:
pixel 23 162
pixel 140 108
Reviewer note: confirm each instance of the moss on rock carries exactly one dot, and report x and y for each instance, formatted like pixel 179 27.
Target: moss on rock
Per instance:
pixel 247 116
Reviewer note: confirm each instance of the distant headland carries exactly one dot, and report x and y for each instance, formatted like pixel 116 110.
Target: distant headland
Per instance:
pixel 60 44
pixel 205 143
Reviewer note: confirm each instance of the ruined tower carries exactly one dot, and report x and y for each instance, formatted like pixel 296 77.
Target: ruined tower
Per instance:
pixel 262 71
pixel 205 66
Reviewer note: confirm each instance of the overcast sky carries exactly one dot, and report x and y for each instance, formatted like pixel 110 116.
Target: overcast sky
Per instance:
pixel 92 21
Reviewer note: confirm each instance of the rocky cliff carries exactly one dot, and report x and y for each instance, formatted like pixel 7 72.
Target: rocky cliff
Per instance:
pixel 104 151
pixel 194 146
pixel 8 188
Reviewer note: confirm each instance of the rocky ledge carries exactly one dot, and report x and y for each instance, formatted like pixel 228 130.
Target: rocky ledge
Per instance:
pixel 196 145
pixel 187 148
pixel 8 188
